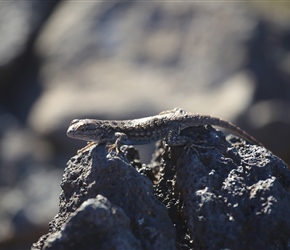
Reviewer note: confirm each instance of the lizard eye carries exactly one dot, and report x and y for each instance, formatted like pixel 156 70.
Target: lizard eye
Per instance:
pixel 75 121
pixel 82 128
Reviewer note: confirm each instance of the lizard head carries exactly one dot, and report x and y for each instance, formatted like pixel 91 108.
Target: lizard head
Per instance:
pixel 87 130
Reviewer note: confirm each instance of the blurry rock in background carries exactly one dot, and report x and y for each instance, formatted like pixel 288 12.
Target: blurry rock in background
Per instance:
pixel 121 60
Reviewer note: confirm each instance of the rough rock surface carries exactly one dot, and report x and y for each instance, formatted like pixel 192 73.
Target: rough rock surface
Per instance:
pixel 234 197
pixel 95 172
pixel 222 194
pixel 106 226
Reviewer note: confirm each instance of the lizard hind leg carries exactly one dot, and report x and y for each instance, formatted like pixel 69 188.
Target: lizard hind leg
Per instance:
pixel 193 146
pixel 174 139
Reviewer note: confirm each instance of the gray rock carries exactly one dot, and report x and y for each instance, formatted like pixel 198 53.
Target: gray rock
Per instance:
pixel 233 197
pixel 93 173
pixel 106 227
pixel 222 194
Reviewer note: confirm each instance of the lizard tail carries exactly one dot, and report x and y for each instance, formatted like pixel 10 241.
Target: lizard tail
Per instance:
pixel 214 121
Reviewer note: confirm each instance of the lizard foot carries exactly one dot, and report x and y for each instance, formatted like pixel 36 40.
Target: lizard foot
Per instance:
pixel 120 139
pixel 113 147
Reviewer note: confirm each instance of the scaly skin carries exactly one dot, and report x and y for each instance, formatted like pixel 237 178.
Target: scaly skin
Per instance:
pixel 167 124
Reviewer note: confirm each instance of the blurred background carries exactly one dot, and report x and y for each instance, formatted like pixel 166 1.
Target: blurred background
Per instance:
pixel 61 60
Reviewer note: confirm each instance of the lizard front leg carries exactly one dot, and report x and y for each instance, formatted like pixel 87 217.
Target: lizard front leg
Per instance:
pixel 120 139
pixel 89 144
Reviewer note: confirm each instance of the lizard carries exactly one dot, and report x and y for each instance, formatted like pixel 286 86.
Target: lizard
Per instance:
pixel 167 124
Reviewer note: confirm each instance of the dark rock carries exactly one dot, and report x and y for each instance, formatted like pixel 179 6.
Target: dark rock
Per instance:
pixel 235 197
pixel 106 226
pixel 225 194
pixel 95 172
